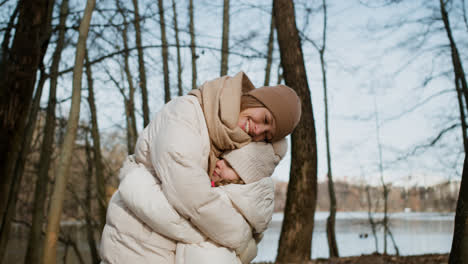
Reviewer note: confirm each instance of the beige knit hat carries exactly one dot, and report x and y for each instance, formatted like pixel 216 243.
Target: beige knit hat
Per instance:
pixel 256 160
pixel 284 104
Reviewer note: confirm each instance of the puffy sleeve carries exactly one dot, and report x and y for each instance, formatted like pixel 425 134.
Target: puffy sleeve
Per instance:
pixel 142 194
pixel 176 142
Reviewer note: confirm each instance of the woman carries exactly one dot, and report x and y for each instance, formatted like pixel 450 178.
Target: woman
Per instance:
pixel 180 148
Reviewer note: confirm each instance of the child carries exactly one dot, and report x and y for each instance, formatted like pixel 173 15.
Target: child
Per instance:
pixel 243 180
pixel 136 218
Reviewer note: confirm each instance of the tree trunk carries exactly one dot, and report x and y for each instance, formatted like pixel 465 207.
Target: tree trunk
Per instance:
pixel 385 190
pixel 141 65
pixel 371 219
pixel 269 60
pixel 179 63
pixel 225 42
pixel 165 52
pixel 296 234
pixel 33 252
pixel 63 170
pixel 7 35
pixel 89 222
pixel 18 74
pixel 130 103
pixel 193 45
pixel 459 251
pixel 460 80
pixel 20 163
pixel 101 193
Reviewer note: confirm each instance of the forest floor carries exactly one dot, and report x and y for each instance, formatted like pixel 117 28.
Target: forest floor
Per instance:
pixel 381 259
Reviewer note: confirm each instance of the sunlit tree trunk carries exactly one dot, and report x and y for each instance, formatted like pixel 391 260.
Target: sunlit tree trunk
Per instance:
pixel 33 252
pixel 63 170
pixel 225 41
pixel 193 45
pixel 179 63
pixel 298 224
pixel 97 155
pixel 141 65
pixel 18 74
pixel 269 60
pixel 165 52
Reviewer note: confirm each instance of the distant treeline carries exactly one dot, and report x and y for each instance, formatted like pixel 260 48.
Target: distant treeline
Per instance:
pixel 350 197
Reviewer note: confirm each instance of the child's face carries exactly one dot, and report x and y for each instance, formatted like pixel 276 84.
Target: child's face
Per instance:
pixel 224 171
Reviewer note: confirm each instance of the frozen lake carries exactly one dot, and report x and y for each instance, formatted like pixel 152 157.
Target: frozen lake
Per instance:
pixel 414 233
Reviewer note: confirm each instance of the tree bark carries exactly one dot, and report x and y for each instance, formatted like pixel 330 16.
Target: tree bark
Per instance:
pixel 371 219
pixel 89 222
pixel 385 190
pixel 7 35
pixel 20 164
pixel 271 38
pixel 296 234
pixel 97 155
pixel 460 80
pixel 225 41
pixel 63 170
pixel 459 251
pixel 193 45
pixel 141 65
pixel 33 252
pixel 165 52
pixel 130 103
pixel 179 63
pixel 331 234
pixel 18 74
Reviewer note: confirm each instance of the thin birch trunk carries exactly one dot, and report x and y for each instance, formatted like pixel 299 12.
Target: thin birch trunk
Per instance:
pixel 33 252
pixel 271 38
pixel 165 52
pixel 63 170
pixel 225 41
pixel 96 148
pixel 179 63
pixel 193 45
pixel 141 65
pixel 296 233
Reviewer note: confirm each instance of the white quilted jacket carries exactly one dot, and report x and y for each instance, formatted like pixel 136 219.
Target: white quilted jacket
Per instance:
pixel 168 198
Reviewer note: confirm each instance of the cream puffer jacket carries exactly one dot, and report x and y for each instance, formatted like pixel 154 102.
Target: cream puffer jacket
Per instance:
pixel 174 149
pixel 255 201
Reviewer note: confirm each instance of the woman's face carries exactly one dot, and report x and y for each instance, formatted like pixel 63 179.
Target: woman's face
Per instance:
pixel 258 122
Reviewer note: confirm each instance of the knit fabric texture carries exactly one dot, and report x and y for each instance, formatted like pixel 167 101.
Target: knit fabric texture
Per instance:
pixel 256 160
pixel 284 104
